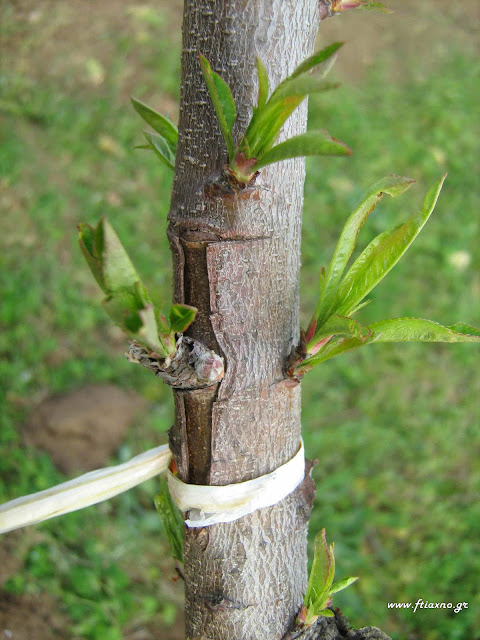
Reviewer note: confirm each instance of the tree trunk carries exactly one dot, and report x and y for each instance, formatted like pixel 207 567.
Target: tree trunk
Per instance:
pixel 237 260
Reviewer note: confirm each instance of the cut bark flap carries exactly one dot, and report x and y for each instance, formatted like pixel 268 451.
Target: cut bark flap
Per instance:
pixel 193 366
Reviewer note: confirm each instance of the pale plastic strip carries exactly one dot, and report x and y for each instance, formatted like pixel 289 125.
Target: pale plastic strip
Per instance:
pixel 214 504
pixel 89 489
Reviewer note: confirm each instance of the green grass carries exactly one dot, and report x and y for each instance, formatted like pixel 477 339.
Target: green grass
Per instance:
pixel 395 428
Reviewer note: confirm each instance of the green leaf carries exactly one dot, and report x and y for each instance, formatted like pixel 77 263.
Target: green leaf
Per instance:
pixel 326 613
pixel 87 241
pixel 339 326
pixel 313 143
pixel 265 126
pixel 263 86
pixel 160 146
pixel 396 330
pixel 392 185
pixel 318 58
pixel 420 330
pixel 181 316
pixel 321 575
pixel 117 269
pixel 223 102
pixel 342 584
pixel 381 256
pixel 171 520
pixel 301 87
pixel 159 123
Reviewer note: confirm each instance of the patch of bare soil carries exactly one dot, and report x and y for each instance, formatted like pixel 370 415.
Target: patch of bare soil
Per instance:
pixel 29 617
pixel 81 430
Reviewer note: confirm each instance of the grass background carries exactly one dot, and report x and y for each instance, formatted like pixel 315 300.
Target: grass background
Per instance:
pixel 395 428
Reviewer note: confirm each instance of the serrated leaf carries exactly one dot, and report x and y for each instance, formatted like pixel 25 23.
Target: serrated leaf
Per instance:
pixel 318 58
pixel 300 87
pixel 159 123
pixel 369 270
pixel 396 330
pixel 171 520
pixel 223 102
pixel 180 317
pixel 117 269
pixel 313 143
pixel 392 185
pixel 263 86
pixel 420 330
pixel 159 145
pixel 342 584
pixel 466 329
pixel 321 575
pixel 339 326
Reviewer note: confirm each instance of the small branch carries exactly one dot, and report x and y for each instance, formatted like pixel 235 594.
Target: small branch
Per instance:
pixel 193 366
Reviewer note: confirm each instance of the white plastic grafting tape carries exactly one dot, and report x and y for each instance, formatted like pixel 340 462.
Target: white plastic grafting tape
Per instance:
pixel 214 504
pixel 84 491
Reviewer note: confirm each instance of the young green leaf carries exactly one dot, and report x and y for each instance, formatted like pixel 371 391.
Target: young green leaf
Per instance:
pixel 342 584
pixel 316 60
pixel 367 271
pixel 159 123
pixel 181 317
pixel 392 185
pixel 301 87
pixel 171 520
pixel 337 6
pixel 395 330
pixel 160 146
pixel 313 143
pixel 223 102
pixel 87 242
pixel 420 330
pixel 321 574
pixel 127 301
pixel 339 326
pixel 263 86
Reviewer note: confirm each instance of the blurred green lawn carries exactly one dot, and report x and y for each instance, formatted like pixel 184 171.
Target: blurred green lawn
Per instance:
pixel 395 428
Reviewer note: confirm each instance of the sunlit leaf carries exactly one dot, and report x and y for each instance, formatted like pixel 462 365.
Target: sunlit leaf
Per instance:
pixel 263 86
pixel 223 102
pixel 159 145
pixel 342 584
pixel 159 123
pixel 313 143
pixel 181 316
pixel 318 58
pixel 339 326
pixel 301 86
pixel 321 574
pixel 368 270
pixel 392 185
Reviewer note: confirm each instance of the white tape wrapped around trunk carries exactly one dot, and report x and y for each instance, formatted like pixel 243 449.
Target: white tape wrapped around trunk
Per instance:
pixel 214 504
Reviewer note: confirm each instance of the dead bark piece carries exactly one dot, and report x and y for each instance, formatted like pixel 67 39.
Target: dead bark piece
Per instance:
pixel 193 366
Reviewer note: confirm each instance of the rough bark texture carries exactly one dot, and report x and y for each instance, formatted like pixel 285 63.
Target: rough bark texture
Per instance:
pixel 237 260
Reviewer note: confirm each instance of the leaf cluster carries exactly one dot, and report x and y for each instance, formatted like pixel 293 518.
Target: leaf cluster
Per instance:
pixel 127 301
pixel 164 141
pixel 321 587
pixel 333 330
pixel 256 147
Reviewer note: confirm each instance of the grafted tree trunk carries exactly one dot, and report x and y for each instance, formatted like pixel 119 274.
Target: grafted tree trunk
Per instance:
pixel 237 260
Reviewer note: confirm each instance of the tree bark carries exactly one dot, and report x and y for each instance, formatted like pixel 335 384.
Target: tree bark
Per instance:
pixel 237 259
